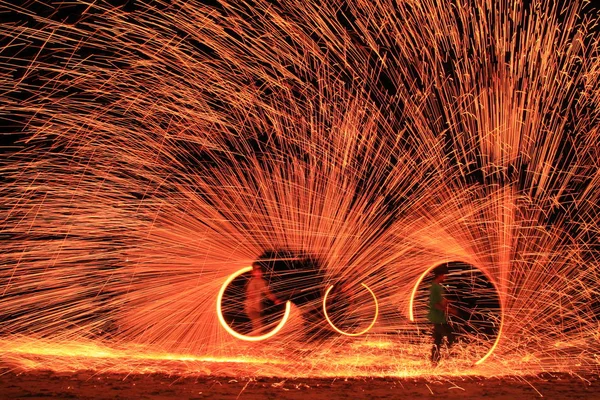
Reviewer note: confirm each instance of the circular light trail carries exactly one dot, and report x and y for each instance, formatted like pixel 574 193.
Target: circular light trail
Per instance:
pixel 238 335
pixel 346 333
pixel 411 313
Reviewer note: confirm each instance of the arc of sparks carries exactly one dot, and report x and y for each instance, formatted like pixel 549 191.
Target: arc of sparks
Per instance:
pixel 412 318
pixel 238 335
pixel 368 328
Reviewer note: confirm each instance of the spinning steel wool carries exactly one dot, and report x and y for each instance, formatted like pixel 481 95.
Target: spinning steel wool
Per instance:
pixel 156 150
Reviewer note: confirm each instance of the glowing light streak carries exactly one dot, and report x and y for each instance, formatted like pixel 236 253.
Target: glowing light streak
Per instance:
pixel 367 329
pixel 360 132
pixel 238 335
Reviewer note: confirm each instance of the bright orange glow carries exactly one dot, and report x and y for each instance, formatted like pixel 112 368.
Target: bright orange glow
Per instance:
pixel 367 329
pixel 412 318
pixel 238 335
pixel 26 354
pixel 367 140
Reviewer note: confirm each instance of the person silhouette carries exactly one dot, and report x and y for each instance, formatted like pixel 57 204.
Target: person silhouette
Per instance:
pixel 439 309
pixel 256 291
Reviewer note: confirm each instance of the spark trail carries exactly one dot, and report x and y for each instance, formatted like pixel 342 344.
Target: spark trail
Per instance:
pixel 166 146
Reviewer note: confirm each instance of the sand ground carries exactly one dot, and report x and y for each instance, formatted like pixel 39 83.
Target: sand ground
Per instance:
pixel 91 385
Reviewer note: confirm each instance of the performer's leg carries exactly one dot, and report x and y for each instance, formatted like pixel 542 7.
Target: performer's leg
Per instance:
pixel 438 335
pixel 257 323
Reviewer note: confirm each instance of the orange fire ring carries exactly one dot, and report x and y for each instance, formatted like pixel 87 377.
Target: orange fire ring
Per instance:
pixel 238 335
pixel 339 330
pixel 412 318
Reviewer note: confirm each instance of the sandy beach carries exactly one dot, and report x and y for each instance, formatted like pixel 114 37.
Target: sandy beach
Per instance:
pixel 93 385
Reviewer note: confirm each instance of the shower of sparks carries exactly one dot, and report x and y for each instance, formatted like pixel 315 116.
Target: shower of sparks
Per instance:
pixel 167 145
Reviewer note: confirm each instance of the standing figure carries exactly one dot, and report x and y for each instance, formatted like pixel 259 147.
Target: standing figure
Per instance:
pixel 439 309
pixel 256 291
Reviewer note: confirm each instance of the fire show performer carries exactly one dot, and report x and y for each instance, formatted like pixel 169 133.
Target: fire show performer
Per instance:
pixel 256 291
pixel 439 309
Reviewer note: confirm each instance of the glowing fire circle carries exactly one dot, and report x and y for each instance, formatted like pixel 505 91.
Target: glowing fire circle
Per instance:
pixel 411 316
pixel 368 328
pixel 238 335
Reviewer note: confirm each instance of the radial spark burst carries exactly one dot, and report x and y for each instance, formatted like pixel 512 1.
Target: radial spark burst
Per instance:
pixel 162 147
